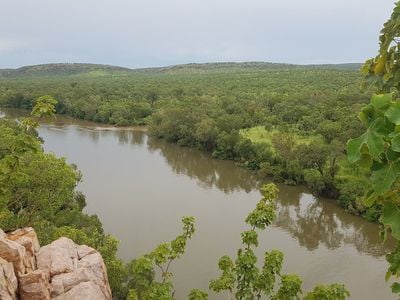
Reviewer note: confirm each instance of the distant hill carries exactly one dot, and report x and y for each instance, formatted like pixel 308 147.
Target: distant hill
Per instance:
pixel 83 69
pixel 61 69
pixel 222 66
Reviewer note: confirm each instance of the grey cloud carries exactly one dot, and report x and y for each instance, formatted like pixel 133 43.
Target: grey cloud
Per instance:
pixel 136 33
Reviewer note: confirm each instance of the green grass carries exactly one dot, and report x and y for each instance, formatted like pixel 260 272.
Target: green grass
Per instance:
pixel 260 135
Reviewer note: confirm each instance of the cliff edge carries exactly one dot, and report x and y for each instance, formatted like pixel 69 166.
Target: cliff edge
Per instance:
pixel 61 270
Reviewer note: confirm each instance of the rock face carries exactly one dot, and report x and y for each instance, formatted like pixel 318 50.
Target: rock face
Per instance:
pixel 61 270
pixel 8 281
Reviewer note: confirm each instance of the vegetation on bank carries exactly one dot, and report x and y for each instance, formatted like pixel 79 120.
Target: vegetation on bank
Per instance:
pixel 284 121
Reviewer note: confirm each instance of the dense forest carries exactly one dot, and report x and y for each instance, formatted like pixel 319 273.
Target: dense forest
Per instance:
pixel 289 122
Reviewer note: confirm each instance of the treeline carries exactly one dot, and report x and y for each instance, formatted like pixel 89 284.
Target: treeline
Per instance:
pixel 291 124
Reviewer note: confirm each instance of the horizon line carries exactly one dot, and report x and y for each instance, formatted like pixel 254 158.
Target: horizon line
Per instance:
pixel 179 64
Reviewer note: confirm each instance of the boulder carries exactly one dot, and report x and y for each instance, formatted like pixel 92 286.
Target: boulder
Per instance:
pixel 23 235
pixel 60 270
pixel 15 253
pixel 35 285
pixel 8 281
pixel 67 244
pixel 62 283
pixel 84 250
pixel 98 273
pixel 84 290
pixel 55 260
pixel 27 238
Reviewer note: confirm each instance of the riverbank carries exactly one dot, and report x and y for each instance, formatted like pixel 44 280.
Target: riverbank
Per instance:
pixel 344 189
pixel 62 120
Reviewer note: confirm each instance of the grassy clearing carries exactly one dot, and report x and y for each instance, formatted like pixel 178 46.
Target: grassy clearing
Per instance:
pixel 260 135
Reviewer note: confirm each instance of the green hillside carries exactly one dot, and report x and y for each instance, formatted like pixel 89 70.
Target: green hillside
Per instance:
pixel 98 70
pixel 62 69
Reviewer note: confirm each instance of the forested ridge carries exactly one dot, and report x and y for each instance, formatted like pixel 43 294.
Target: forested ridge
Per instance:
pixel 68 69
pixel 290 122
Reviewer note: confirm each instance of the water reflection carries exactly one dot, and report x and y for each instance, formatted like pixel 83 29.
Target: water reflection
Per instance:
pixel 313 222
pixel 208 172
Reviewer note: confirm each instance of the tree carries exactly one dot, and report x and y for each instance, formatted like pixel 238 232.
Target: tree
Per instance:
pixel 378 149
pixel 383 71
pixel 241 278
pixel 142 270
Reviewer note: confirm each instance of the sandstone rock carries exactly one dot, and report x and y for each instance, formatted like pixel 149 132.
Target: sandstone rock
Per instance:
pixel 62 283
pixel 27 238
pixel 95 264
pixel 8 281
pixel 23 235
pixel 15 253
pixel 65 271
pixel 54 260
pixel 67 244
pixel 84 290
pixel 2 234
pixel 84 250
pixel 35 286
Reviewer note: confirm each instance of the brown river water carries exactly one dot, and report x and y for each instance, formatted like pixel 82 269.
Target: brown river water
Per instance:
pixel 140 187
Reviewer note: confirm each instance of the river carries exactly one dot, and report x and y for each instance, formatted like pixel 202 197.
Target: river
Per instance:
pixel 140 187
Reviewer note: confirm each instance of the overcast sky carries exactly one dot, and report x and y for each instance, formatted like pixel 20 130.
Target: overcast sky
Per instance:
pixel 145 33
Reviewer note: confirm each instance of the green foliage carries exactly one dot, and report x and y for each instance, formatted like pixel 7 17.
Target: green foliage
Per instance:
pixel 289 289
pixel 142 270
pixel 197 295
pixel 314 180
pixel 382 71
pixel 378 149
pixel 330 292
pixel 132 295
pixel 242 277
pixel 244 280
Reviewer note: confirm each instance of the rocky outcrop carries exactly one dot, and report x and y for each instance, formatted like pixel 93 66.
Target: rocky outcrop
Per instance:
pixel 61 270
pixel 35 285
pixel 8 281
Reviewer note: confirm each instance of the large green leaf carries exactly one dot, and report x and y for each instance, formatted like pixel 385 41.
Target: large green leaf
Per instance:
pixel 391 218
pixel 383 178
pixel 373 139
pixel 370 200
pixel 368 114
pixel 354 148
pixel 381 101
pixel 396 143
pixel 393 113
